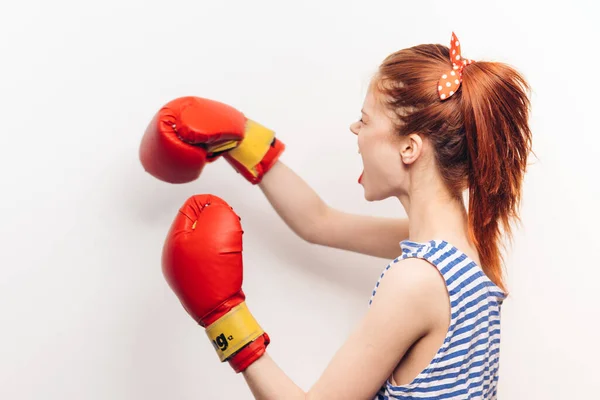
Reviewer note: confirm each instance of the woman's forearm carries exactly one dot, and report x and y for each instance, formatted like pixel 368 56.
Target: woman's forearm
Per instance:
pixel 294 200
pixel 268 382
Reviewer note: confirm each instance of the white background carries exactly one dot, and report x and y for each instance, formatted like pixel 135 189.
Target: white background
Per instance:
pixel 84 310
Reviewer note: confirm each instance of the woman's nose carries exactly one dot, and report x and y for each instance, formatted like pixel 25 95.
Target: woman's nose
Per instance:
pixel 354 128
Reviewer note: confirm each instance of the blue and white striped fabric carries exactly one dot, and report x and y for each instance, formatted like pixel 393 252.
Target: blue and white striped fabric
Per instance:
pixel 466 365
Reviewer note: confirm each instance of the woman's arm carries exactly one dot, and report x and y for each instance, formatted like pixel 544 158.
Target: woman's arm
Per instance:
pixel 410 301
pixel 313 220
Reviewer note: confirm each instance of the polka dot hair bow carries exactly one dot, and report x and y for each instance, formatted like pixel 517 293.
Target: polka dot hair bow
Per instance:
pixel 451 80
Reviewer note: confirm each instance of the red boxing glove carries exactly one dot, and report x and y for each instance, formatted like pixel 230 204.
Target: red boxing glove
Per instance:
pixel 188 132
pixel 202 262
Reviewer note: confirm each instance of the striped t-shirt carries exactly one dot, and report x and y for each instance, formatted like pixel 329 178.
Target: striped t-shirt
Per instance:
pixel 466 365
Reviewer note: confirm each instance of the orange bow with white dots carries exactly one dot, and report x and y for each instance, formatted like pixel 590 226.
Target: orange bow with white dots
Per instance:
pixel 451 80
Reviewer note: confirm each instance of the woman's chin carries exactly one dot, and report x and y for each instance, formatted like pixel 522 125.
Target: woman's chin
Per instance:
pixel 374 195
pixel 369 195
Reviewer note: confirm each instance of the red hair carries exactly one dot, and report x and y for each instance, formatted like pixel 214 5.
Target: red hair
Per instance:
pixel 480 135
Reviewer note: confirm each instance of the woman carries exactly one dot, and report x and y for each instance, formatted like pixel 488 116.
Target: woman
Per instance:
pixel 432 126
pixel 424 148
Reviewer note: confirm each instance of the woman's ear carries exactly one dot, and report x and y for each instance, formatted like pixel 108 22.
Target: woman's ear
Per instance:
pixel 411 147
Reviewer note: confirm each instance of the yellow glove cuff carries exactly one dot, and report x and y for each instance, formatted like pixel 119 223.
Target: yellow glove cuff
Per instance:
pixel 233 331
pixel 255 145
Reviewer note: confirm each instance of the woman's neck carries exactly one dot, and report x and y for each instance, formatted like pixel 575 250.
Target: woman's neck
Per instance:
pixel 435 214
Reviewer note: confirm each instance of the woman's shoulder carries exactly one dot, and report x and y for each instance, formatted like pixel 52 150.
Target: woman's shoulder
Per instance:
pixel 413 275
pixel 429 266
pixel 414 283
pixel 413 269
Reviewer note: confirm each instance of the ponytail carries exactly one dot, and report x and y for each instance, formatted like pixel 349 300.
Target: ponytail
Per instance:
pixel 495 110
